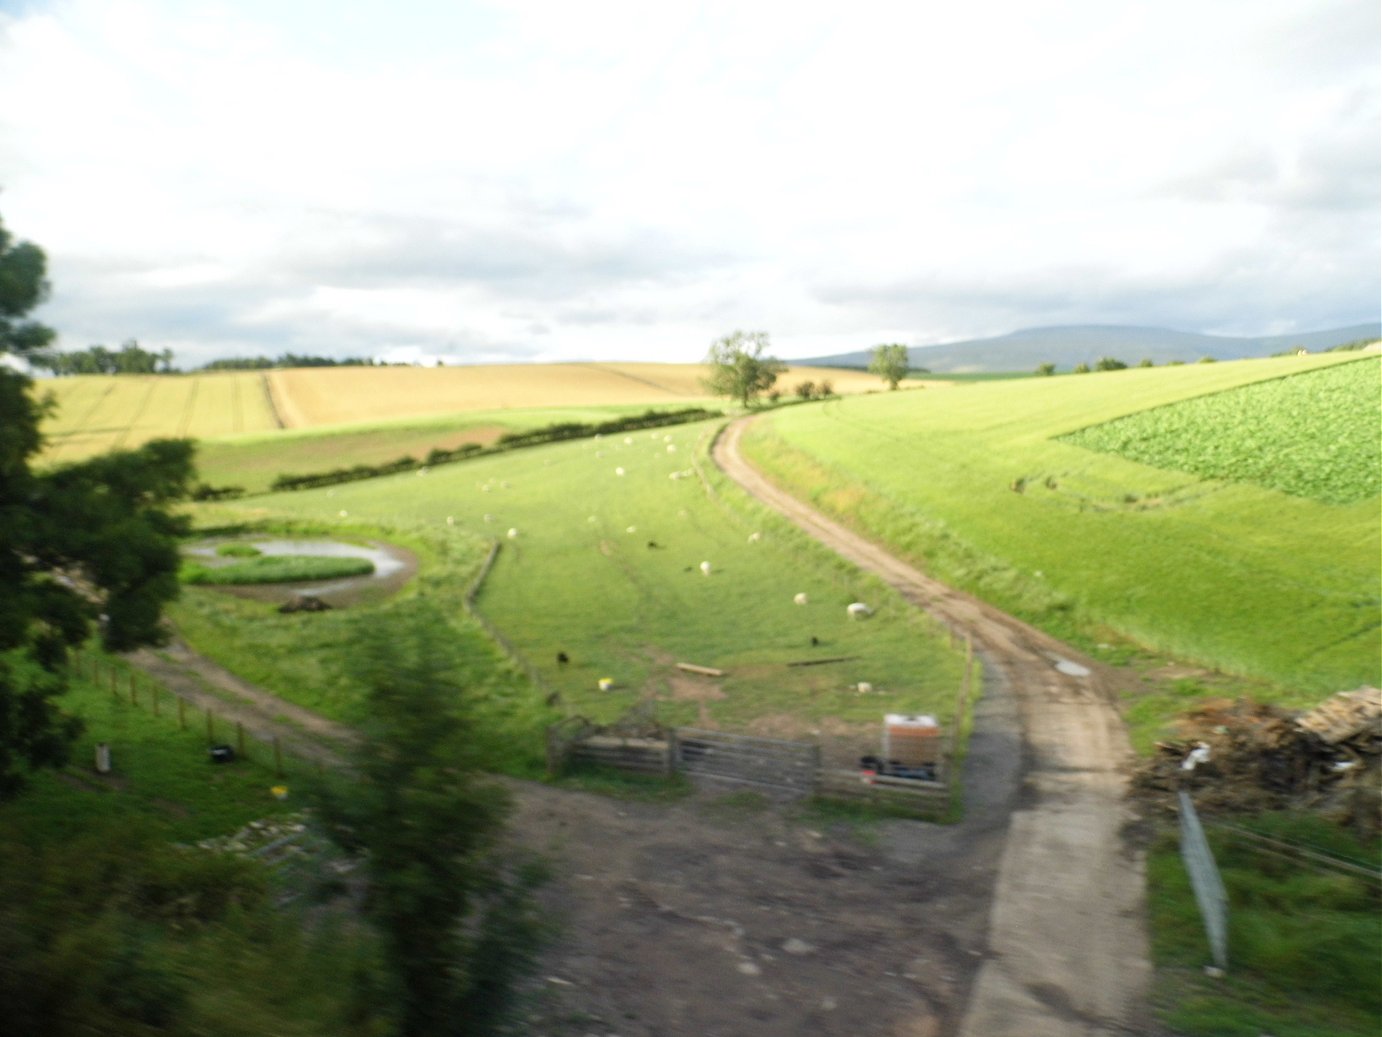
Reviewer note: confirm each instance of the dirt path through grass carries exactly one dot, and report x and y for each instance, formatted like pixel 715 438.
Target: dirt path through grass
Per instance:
pixel 1067 950
pixel 264 715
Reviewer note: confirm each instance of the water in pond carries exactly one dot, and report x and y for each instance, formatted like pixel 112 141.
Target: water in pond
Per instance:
pixel 389 564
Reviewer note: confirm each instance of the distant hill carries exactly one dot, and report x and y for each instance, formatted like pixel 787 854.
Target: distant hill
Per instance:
pixel 1085 343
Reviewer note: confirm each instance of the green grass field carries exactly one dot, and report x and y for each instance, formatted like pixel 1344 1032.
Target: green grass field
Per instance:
pixel 975 486
pixel 605 567
pixel 252 462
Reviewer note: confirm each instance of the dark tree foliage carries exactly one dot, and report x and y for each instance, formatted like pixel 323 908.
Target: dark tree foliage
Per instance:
pixel 130 358
pixel 457 925
pixel 82 546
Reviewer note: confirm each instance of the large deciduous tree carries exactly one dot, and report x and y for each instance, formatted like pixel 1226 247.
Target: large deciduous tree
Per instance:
pixel 90 545
pixel 739 366
pixel 890 363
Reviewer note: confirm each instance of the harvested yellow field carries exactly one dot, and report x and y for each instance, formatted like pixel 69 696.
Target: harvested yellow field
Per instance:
pixel 310 397
pixel 96 413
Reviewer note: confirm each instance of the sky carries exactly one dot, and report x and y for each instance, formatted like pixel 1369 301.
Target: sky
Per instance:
pixel 548 181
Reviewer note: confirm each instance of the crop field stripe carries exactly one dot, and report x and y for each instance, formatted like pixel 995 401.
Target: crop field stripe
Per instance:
pixel 267 387
pixel 151 383
pixel 188 407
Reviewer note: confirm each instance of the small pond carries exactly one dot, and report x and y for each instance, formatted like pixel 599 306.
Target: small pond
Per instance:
pixel 392 567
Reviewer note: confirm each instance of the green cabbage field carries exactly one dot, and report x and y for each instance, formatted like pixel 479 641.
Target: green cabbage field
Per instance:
pixel 1313 434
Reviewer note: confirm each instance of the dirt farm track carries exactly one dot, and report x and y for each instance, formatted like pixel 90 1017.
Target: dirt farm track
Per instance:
pixel 719 916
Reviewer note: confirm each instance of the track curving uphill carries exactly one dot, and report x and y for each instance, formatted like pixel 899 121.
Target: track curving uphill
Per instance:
pixel 1067 950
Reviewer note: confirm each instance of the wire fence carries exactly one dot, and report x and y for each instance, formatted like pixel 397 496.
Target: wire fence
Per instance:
pixel 247 740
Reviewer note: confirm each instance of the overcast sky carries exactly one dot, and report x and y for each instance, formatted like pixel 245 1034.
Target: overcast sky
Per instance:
pixel 550 181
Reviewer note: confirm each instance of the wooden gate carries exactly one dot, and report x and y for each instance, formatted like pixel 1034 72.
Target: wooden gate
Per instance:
pixel 743 759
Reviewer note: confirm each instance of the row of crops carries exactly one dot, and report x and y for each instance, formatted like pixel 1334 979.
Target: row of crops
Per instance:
pixel 1311 435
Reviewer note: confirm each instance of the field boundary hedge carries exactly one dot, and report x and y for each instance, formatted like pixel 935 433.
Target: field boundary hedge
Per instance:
pixel 554 433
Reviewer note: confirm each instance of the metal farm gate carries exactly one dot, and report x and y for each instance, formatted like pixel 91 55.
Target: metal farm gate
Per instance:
pixel 764 762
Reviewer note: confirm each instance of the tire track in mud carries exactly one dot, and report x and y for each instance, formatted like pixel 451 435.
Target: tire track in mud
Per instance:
pixel 1067 950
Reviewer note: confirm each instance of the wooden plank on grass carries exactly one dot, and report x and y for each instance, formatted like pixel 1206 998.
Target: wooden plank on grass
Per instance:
pixel 704 671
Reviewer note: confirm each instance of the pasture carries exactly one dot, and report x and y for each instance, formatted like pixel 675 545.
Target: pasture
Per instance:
pixel 976 487
pixel 604 566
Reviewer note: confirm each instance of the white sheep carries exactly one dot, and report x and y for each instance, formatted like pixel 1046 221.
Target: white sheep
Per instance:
pixel 605 683
pixel 705 568
pixel 755 537
pixel 489 518
pixel 450 520
pixel 671 448
pixel 858 610
pixel 513 534
pixel 863 687
pixel 619 471
pixel 800 599
pixel 632 529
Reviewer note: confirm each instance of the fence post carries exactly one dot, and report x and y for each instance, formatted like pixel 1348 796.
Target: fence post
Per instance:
pixel 1205 880
pixel 673 753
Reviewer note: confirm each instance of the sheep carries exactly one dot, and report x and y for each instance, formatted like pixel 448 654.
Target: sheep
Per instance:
pixel 605 683
pixel 619 471
pixel 755 537
pixel 450 520
pixel 858 610
pixel 653 545
pixel 705 568
pixel 563 658
pixel 671 448
pixel 489 518
pixel 513 534
pixel 632 529
pixel 863 687
pixel 800 599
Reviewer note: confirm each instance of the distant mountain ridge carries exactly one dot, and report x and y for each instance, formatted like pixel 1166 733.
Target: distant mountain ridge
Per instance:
pixel 1074 344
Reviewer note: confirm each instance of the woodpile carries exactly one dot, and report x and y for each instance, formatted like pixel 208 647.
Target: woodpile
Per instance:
pixel 1253 757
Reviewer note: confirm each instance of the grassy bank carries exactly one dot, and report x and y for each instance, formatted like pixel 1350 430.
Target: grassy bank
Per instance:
pixel 111 922
pixel 1305 949
pixel 973 486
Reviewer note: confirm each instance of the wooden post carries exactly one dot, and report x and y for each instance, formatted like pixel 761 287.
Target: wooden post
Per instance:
pixel 240 739
pixel 278 758
pixel 182 713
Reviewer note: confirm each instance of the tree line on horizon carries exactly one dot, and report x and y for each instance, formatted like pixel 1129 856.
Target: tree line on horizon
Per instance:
pixel 131 358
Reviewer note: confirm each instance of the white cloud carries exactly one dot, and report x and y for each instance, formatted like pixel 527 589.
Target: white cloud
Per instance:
pixel 548 180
